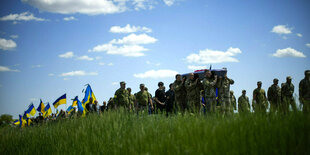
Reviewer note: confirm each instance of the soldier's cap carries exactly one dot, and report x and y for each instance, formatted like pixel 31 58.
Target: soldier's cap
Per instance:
pixel 307 72
pixel 275 79
pixel 289 77
pixel 259 82
pixel 231 91
pixel 141 85
pixel 243 90
pixel 123 82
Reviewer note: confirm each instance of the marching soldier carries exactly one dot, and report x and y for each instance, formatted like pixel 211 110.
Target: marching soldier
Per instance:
pixel 192 86
pixel 224 93
pixel 131 99
pixel 233 102
pixel 274 96
pixel 243 103
pixel 304 92
pixel 209 91
pixel 180 93
pixel 260 103
pixel 287 91
pixel 142 99
pixel 121 96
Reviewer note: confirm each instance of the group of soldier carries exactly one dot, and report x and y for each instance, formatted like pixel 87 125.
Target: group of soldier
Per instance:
pixel 213 95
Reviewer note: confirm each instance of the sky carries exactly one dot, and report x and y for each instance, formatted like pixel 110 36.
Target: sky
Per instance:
pixel 48 48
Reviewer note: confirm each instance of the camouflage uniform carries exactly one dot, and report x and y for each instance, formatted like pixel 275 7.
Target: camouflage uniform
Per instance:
pixel 233 103
pixel 224 94
pixel 180 95
pixel 132 100
pixel 274 97
pixel 243 104
pixel 304 94
pixel 193 88
pixel 260 104
pixel 209 93
pixel 142 99
pixel 287 91
pixel 121 98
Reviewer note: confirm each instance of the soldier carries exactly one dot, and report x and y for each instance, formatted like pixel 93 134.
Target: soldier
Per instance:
pixel 209 91
pixel 224 93
pixel 274 96
pixel 121 96
pixel 180 93
pixel 170 100
pixel 193 87
pixel 131 99
pixel 260 103
pixel 243 103
pixel 304 92
pixel 150 110
pixel 142 100
pixel 233 102
pixel 287 91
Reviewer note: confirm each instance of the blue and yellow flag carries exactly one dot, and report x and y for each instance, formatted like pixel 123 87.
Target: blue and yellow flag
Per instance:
pixel 74 103
pixel 88 94
pixel 70 109
pixel 61 100
pixel 16 122
pixel 81 107
pixel 31 110
pixel 28 121
pixel 47 110
pixel 41 107
pixel 22 122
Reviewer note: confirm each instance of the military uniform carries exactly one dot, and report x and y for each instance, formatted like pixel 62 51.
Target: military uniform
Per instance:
pixel 233 103
pixel 304 94
pixel 142 99
pixel 121 98
pixel 209 94
pixel 224 94
pixel 243 104
pixel 180 95
pixel 287 90
pixel 193 88
pixel 274 97
pixel 260 104
pixel 132 100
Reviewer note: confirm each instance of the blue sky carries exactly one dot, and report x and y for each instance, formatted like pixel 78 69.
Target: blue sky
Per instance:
pixel 48 49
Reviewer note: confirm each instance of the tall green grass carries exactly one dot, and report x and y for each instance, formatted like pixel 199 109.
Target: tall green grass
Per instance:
pixel 123 133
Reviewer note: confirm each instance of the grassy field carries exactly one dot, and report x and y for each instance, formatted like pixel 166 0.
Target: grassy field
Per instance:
pixel 119 133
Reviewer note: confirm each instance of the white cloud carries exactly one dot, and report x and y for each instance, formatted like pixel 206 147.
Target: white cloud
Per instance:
pixel 85 57
pixel 143 4
pixel 156 74
pixel 98 57
pixel 7 44
pixel 288 52
pixel 69 18
pixel 129 29
pixel 51 74
pixel 66 55
pixel 78 73
pixel 169 2
pixel 125 50
pixel 110 64
pixel 25 16
pixel 308 44
pixel 299 35
pixel 135 39
pixel 194 67
pixel 115 83
pixel 14 36
pixel 90 7
pixel 101 63
pixel 36 66
pixel 208 56
pixel 281 29
pixel 7 69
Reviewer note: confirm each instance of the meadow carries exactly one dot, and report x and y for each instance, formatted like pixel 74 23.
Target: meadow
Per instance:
pixel 116 132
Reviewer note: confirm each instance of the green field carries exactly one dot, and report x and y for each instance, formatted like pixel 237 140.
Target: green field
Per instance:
pixel 122 133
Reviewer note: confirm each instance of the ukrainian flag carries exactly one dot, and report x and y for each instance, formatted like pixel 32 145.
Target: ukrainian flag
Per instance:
pixel 16 122
pixel 70 109
pixel 22 122
pixel 28 121
pixel 61 100
pixel 41 107
pixel 47 110
pixel 31 110
pixel 81 107
pixel 88 94
pixel 74 103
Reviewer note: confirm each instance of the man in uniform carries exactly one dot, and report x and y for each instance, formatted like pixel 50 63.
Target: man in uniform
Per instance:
pixel 131 99
pixel 224 93
pixel 209 91
pixel 193 87
pixel 287 91
pixel 180 93
pixel 274 96
pixel 243 103
pixel 121 96
pixel 233 102
pixel 260 103
pixel 142 99
pixel 304 92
